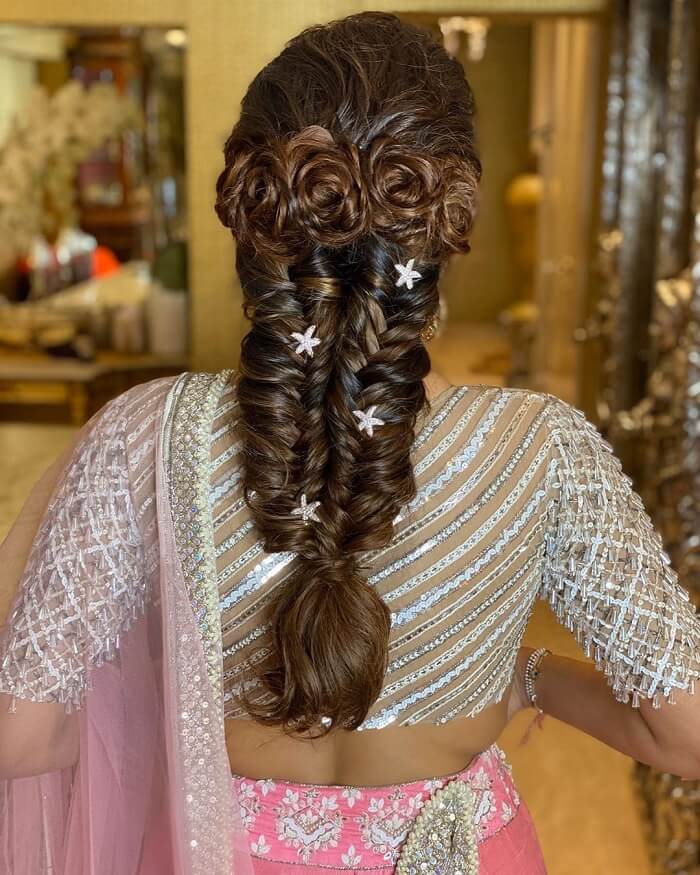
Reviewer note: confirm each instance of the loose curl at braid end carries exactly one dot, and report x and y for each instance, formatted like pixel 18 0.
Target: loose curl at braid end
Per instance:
pixel 328 625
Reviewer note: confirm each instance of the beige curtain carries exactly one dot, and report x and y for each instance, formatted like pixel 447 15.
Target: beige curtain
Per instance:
pixel 565 112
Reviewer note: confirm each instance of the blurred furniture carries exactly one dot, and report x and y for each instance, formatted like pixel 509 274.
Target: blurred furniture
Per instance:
pixel 36 387
pixel 114 198
pixel 523 199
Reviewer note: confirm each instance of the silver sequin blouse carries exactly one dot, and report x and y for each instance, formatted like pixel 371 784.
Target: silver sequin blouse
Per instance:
pixel 519 497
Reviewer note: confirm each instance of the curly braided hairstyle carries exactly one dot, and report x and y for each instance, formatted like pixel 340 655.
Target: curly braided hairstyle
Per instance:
pixel 354 151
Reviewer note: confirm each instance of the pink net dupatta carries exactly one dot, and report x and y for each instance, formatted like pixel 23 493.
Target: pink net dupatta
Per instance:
pixel 210 835
pixel 151 791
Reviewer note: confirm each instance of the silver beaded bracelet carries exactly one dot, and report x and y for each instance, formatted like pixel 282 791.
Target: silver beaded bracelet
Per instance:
pixel 532 672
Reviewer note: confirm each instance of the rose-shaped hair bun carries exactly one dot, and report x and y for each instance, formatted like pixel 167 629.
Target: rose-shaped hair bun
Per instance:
pixel 457 208
pixel 328 186
pixel 424 202
pixel 254 202
pixel 281 198
pixel 404 189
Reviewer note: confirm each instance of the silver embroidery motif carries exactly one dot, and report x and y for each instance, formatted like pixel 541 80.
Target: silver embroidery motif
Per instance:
pixel 496 638
pixel 443 839
pixel 205 783
pixel 438 416
pixel 466 545
pixel 467 453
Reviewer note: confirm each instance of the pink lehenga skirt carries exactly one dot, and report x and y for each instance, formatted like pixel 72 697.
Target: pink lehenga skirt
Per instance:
pixel 470 822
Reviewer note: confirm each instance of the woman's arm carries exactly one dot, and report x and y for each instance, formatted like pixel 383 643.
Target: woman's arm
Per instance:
pixel 571 690
pixel 609 580
pixel 34 737
pixel 83 572
pixel 37 737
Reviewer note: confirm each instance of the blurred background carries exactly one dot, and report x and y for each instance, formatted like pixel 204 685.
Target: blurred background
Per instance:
pixel 584 279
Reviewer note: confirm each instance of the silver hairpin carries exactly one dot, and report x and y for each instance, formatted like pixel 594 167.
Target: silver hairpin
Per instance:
pixel 367 420
pixel 306 341
pixel 307 509
pixel 407 274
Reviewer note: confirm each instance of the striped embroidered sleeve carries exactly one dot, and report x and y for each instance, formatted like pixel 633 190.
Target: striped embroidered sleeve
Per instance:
pixel 606 573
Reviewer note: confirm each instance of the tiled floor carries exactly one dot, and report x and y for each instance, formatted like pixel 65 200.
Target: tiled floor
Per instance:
pixel 578 790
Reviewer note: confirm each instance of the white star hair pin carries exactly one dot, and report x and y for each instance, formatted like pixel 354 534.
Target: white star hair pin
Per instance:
pixel 306 341
pixel 367 420
pixel 307 509
pixel 407 274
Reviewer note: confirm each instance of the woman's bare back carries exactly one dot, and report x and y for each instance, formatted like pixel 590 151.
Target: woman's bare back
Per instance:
pixel 388 756
pixel 394 755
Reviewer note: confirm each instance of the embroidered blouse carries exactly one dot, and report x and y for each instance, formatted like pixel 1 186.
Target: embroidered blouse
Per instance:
pixel 518 497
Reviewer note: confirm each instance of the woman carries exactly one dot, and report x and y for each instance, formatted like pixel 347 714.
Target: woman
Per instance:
pixel 262 613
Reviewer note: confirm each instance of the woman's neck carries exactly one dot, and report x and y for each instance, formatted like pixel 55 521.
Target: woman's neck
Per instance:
pixel 434 384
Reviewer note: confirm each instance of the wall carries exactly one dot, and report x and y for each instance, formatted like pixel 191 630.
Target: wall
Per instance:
pixel 478 286
pixel 229 40
pixel 570 50
pixel 20 47
pixel 17 77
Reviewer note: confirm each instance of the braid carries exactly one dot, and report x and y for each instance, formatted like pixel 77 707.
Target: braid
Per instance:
pixel 391 379
pixel 269 388
pixel 321 218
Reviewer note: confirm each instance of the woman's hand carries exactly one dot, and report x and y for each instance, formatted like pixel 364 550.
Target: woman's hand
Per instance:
pixel 571 690
pixel 518 697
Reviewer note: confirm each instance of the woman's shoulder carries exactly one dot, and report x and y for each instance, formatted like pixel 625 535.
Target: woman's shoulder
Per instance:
pixel 509 400
pixel 134 404
pixel 498 388
pixel 140 406
pixel 555 412
pixel 543 421
pixel 553 415
pixel 147 397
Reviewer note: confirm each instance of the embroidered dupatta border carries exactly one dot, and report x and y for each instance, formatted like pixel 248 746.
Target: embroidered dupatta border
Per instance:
pixel 210 837
pixel 186 445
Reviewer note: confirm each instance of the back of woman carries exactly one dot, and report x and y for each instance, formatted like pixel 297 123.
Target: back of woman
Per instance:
pixel 288 602
pixel 460 576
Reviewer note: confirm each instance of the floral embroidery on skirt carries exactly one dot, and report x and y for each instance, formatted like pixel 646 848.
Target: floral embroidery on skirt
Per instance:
pixel 364 828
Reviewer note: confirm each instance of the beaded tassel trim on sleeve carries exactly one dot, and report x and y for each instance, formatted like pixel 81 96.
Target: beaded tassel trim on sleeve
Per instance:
pixel 607 575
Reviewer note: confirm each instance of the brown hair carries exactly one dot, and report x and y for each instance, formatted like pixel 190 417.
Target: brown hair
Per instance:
pixel 354 151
